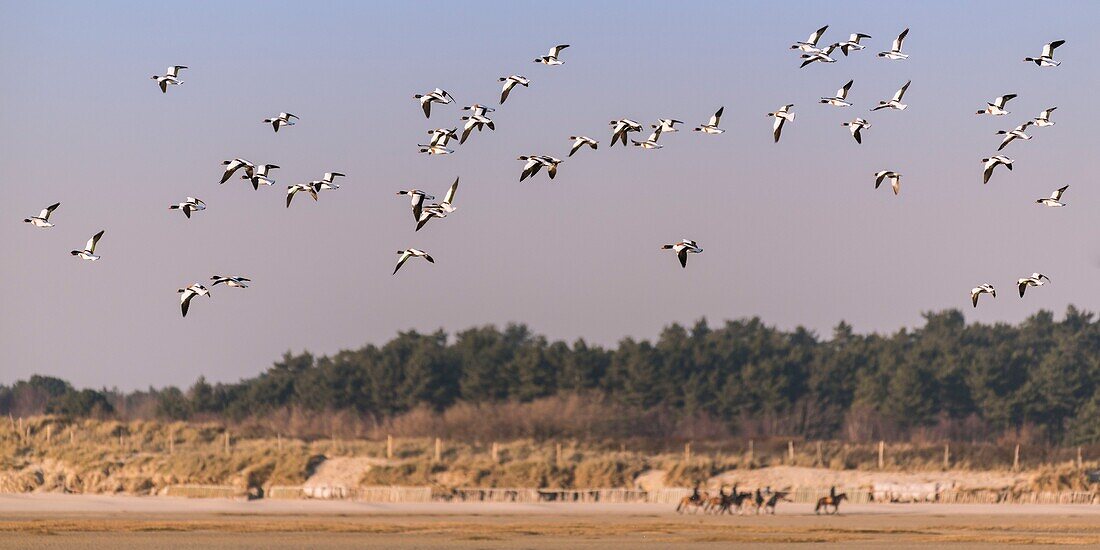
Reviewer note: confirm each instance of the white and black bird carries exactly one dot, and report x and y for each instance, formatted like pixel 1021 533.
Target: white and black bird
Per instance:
pixel 782 115
pixel 43 217
pixel 682 249
pixel 894 177
pixel 1055 198
pixel 895 102
pixel 1036 279
pixel 231 166
pixel 1043 120
pixel 997 108
pixel 509 83
pixel 821 56
pixel 441 209
pixel 984 288
pixel 259 175
pixel 651 141
pixel 841 97
pixel 284 119
pixel 478 119
pixel 711 127
pixel 89 249
pixel 810 45
pixel 621 129
pixel 667 125
pixel 853 43
pixel 536 162
pixel 1014 134
pixel 894 53
pixel 294 189
pixel 438 144
pixel 186 294
pixel 411 253
pixel 170 77
pixel 417 199
pixel 581 141
pixel 326 182
pixel 435 96
pixel 988 164
pixel 1047 59
pixel 551 58
pixel 856 128
pixel 188 206
pixel 235 281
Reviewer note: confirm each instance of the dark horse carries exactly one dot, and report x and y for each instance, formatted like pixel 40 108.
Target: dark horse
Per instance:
pixel 824 503
pixel 769 505
pixel 726 503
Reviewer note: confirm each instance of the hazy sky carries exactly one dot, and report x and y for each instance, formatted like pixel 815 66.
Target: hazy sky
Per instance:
pixel 793 232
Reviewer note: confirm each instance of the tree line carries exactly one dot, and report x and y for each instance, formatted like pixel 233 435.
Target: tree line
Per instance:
pixel 946 378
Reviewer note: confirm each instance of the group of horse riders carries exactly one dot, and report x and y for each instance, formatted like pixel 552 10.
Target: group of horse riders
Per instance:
pixel 759 500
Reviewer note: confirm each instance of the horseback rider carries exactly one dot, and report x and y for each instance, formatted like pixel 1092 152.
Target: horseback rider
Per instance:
pixel 832 493
pixel 695 496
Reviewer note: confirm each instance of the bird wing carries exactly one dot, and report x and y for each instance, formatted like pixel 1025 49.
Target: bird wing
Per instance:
pixel 1057 194
pixel 856 133
pixel 1048 50
pixel 290 191
pixel 404 258
pixel 557 49
pixel 509 83
pixel 90 247
pixel 45 213
pixel 974 296
pixel 895 183
pixel 842 93
pixel 1001 101
pixel 163 85
pixel 717 116
pixel 576 145
pixel 1022 283
pixel 901 91
pixel 449 198
pixel 988 171
pixel 900 39
pixel 777 128
pixel 683 256
pixel 816 35
pixel 879 177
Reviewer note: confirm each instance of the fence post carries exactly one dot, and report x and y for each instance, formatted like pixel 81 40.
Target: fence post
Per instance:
pixel 752 450
pixel 438 449
pixel 494 452
pixel 49 433
pixel 171 442
pixel 389 446
pixel 946 456
pixel 881 454
pixel 790 451
pixel 227 441
pixel 1080 462
pixel 1016 459
pixel 687 452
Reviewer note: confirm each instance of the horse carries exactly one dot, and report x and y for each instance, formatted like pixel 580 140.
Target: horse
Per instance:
pixel 714 503
pixel 687 501
pixel 769 505
pixel 824 503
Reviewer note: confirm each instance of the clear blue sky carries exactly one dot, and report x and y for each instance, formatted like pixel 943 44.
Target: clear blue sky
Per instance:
pixel 792 232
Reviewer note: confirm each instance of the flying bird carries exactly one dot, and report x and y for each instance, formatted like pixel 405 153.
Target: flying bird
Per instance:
pixel 439 210
pixel 89 249
pixel 509 83
pixel 853 43
pixel 894 53
pixel 782 115
pixel 411 253
pixel 895 102
pixel 819 56
pixel 622 128
pixel 1047 59
pixel 186 294
pixel 477 119
pixel 435 96
pixel 552 57
pixel 841 97
pixel 711 127
pixel 651 141
pixel 190 205
pixel 418 197
pixel 536 162
pixel 810 45
pixel 856 126
pixel 171 77
pixel 1055 198
pixel 1014 134
pixel 894 177
pixel 438 143
pixel 667 125
pixel 682 249
pixel 992 162
pixel 294 189
pixel 326 182
pixel 234 281
pixel 581 141
pixel 282 120
pixel 997 108
pixel 1036 279
pixel 1043 119
pixel 259 176
pixel 231 166
pixel 984 288
pixel 43 217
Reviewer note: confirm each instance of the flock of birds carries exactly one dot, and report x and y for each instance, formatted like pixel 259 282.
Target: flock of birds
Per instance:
pixel 478 119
